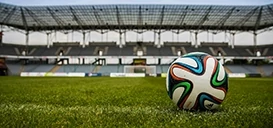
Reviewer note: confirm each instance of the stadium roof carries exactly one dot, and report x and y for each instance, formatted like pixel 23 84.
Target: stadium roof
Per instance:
pixel 198 17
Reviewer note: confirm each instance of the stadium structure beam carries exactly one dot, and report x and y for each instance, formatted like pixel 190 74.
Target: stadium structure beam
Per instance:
pixel 177 33
pixel 160 20
pixel 139 18
pixel 155 38
pixel 182 17
pixel 223 20
pixel 99 20
pixel 24 19
pixel 232 39
pixel 120 38
pixel 77 19
pixel 47 39
pixel 196 39
pixel 203 18
pixel 89 37
pixel 7 18
pixel 255 39
pixel 159 39
pixel 270 10
pixel 241 22
pixel 35 18
pixel 83 39
pixel 27 40
pixel 118 17
pixel 259 17
pixel 265 30
pixel 59 21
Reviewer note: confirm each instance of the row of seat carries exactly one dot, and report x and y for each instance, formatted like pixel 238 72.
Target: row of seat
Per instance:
pixel 15 69
pixel 131 50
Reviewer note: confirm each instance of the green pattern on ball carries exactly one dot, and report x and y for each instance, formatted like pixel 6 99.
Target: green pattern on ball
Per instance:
pixel 215 82
pixel 187 87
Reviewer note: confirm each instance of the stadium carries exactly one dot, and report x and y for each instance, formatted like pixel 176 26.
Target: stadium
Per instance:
pixel 121 83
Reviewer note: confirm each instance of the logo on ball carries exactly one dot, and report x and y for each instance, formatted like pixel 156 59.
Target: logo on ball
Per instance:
pixel 197 81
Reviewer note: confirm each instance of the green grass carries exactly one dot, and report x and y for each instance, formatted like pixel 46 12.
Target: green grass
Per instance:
pixel 125 102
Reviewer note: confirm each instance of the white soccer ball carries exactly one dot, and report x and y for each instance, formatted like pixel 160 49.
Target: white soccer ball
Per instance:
pixel 197 81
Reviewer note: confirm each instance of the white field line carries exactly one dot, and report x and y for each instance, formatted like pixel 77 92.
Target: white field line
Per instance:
pixel 88 109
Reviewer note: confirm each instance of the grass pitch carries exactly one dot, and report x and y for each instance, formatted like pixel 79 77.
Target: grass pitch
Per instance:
pixel 125 102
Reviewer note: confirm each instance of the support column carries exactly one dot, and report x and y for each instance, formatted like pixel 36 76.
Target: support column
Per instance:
pixel 213 34
pixel 177 35
pixel 72 34
pixel 124 38
pixel 142 33
pixel 89 34
pixel 225 38
pixel 83 39
pixel 195 39
pixel 67 37
pixel 106 36
pixel 208 36
pixel 120 39
pixel 102 36
pixel 255 39
pixel 155 43
pixel 172 36
pixel 54 37
pixel 1 35
pixel 47 40
pixel 159 39
pixel 27 42
pixel 232 40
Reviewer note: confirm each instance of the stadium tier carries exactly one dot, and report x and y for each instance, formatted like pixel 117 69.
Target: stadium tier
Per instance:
pixel 8 50
pixel 131 50
pixel 76 68
pixel 15 69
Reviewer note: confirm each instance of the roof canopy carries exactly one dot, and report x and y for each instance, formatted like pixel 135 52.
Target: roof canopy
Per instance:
pixel 80 17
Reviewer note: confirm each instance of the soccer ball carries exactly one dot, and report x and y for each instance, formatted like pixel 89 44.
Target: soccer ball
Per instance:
pixel 197 81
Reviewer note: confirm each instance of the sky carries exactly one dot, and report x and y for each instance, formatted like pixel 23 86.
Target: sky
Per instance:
pixel 245 38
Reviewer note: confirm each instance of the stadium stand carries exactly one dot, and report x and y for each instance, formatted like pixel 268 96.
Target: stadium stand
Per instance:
pixel 113 50
pixel 153 51
pixel 38 68
pixel 107 69
pixel 238 51
pixel 109 49
pixel 264 70
pixel 164 68
pixel 237 69
pixel 14 69
pixel 172 48
pixel 200 49
pixel 221 19
pixel 8 50
pixel 76 68
pixel 87 51
pixel 75 51
pixel 270 50
pixel 166 51
pixel 128 50
pixel 267 70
